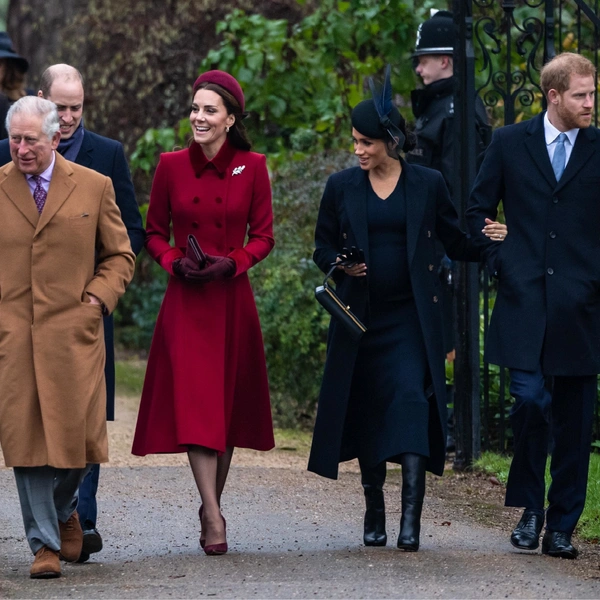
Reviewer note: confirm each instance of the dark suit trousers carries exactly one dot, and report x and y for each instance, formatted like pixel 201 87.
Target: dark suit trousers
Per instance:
pixel 566 414
pixel 87 506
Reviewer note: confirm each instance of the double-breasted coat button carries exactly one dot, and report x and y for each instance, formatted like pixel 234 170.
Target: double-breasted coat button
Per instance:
pixel 430 267
pixel 218 199
pixel 555 200
pixel 552 234
pixel 435 299
pixel 345 236
pixel 428 234
pixel 550 271
pixel 196 200
pixel 195 224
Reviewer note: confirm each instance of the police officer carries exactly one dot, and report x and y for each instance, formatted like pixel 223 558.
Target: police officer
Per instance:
pixel 433 104
pixel 433 108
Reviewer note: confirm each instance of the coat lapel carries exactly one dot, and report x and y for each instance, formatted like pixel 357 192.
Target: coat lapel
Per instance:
pixel 416 203
pixel 536 145
pixel 582 151
pixel 61 186
pixel 356 208
pixel 14 185
pixel 85 156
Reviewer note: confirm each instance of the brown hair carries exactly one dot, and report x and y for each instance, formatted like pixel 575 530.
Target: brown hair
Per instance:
pixel 556 73
pixel 237 136
pixel 13 82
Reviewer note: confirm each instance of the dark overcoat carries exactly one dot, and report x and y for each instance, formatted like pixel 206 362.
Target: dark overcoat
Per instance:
pixel 548 303
pixel 107 157
pixel 342 222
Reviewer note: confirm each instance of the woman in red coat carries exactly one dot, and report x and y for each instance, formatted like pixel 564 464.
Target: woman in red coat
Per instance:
pixel 206 388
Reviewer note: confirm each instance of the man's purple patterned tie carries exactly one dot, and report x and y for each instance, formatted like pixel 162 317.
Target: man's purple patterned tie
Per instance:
pixel 39 193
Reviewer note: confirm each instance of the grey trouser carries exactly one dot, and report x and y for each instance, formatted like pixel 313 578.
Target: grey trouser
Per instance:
pixel 47 496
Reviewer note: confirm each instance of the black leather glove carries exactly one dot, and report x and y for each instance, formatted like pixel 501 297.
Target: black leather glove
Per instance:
pixel 217 267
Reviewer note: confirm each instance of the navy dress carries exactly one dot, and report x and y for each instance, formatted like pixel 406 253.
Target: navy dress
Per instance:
pixel 388 412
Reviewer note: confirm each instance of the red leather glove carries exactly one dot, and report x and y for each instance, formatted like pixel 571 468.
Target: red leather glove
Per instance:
pixel 217 267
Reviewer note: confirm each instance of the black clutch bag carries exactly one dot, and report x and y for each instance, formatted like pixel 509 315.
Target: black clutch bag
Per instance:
pixel 334 305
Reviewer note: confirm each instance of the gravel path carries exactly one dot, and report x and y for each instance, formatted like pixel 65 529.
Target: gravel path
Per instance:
pixel 291 535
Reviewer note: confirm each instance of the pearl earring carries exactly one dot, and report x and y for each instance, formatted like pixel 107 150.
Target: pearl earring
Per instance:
pixel 227 129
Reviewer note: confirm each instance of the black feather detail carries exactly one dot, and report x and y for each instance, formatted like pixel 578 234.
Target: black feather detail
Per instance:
pixel 382 98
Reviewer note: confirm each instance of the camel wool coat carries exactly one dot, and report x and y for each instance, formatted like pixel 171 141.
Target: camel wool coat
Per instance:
pixel 52 390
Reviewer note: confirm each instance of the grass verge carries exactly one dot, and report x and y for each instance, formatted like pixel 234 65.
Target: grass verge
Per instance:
pixel 589 525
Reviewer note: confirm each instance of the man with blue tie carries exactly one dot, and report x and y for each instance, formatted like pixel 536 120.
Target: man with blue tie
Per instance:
pixel 546 320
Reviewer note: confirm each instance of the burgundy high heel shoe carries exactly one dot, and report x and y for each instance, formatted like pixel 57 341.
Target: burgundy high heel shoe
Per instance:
pixel 202 539
pixel 216 549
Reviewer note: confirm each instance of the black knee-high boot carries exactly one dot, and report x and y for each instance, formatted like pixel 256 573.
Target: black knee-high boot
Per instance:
pixel 413 492
pixel 372 480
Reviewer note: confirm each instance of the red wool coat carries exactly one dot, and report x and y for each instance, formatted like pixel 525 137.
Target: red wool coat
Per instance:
pixel 206 381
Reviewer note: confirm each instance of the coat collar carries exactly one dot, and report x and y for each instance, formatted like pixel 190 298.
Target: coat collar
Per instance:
pixel 14 184
pixel 536 145
pixel 220 162
pixel 356 207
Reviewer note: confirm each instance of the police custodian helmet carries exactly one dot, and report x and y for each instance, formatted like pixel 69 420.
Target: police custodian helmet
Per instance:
pixel 436 35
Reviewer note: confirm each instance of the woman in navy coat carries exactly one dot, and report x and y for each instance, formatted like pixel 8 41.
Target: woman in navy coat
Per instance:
pixel 383 398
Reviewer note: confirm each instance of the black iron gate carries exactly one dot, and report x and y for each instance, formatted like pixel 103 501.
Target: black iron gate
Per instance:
pixel 502 45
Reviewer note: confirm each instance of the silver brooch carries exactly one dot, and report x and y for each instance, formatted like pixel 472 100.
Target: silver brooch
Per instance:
pixel 238 170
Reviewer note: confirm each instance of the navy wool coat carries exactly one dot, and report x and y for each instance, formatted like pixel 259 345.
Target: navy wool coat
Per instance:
pixel 548 306
pixel 342 221
pixel 107 157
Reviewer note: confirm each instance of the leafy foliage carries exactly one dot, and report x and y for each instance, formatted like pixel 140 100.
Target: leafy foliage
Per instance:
pixel 301 79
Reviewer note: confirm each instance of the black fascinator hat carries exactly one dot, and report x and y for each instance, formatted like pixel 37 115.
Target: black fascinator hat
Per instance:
pixel 378 118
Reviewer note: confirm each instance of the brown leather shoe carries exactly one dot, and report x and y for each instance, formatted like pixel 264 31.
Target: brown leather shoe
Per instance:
pixel 71 538
pixel 46 564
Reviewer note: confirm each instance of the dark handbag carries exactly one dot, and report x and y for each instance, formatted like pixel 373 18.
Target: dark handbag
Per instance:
pixel 333 304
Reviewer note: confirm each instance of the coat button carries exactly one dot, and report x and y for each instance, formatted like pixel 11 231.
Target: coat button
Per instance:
pixel 218 225
pixel 554 200
pixel 428 234
pixel 195 224
pixel 435 299
pixel 552 234
pixel 345 236
pixel 430 267
pixel 550 271
pixel 218 199
pixel 198 175
pixel 196 200
pixel 221 175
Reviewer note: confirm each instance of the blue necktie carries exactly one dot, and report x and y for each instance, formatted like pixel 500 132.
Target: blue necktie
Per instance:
pixel 559 159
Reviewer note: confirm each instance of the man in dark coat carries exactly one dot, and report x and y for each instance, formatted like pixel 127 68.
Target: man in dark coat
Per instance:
pixel 546 319
pixel 63 85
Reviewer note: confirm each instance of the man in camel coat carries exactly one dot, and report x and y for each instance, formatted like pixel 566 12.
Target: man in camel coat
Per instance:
pixel 66 260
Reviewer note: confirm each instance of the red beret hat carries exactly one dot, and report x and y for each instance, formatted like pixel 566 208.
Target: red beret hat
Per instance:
pixel 226 81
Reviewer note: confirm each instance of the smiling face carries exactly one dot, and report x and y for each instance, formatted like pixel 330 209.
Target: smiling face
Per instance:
pixel 209 120
pixel 371 152
pixel 30 148
pixel 573 109
pixel 67 94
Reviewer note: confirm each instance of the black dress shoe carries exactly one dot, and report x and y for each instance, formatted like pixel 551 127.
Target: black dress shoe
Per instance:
pixel 558 544
pixel 92 542
pixel 526 535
